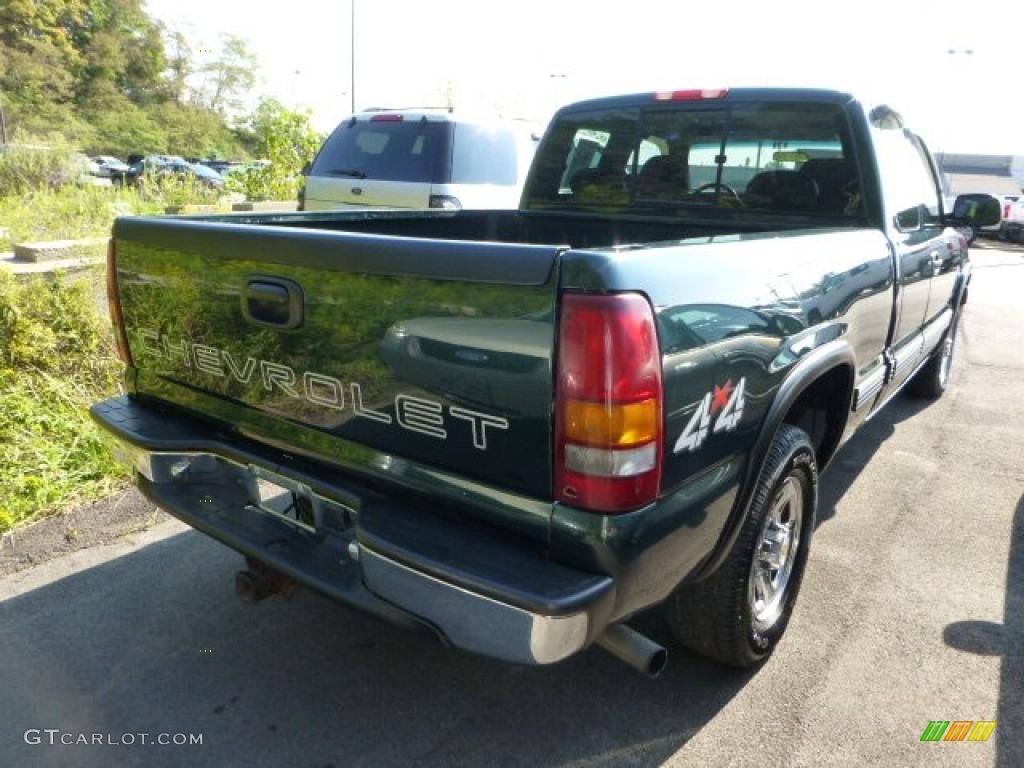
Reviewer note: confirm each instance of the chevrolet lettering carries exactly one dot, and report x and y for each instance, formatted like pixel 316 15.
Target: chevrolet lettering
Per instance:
pixel 416 414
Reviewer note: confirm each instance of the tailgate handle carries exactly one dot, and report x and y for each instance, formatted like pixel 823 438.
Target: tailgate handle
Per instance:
pixel 274 302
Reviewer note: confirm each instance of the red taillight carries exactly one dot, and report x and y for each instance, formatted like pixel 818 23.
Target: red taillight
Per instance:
pixel 114 305
pixel 608 408
pixel 692 94
pixel 1006 211
pixel 386 119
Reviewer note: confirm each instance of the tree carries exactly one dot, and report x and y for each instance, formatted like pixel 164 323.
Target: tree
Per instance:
pixel 105 77
pixel 229 77
pixel 64 58
pixel 287 142
pixel 179 65
pixel 40 59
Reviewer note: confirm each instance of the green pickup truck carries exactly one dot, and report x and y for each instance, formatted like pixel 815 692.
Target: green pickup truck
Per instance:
pixel 519 429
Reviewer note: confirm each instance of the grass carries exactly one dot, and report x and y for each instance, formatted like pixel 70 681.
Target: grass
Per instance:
pixel 53 457
pixel 56 359
pixel 56 347
pixel 56 352
pixel 70 213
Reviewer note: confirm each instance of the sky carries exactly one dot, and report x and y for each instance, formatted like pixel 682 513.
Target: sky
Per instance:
pixel 956 80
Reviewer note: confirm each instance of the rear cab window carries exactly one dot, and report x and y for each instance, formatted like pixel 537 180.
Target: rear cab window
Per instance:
pixel 743 156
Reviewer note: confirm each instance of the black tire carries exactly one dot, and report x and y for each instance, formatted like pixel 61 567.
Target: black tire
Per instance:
pixel 726 616
pixel 931 382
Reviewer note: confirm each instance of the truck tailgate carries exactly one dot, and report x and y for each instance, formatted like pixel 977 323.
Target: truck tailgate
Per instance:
pixel 361 350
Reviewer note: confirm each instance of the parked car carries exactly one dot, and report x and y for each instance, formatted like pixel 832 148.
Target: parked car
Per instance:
pixel 109 166
pixel 421 159
pixel 157 166
pixel 223 167
pixel 1011 226
pixel 206 175
pixel 87 172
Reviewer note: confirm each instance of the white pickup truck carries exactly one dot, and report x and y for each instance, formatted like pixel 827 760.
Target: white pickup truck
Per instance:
pixel 1011 222
pixel 1011 228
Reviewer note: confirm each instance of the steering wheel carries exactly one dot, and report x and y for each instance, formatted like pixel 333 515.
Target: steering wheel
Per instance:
pixel 718 188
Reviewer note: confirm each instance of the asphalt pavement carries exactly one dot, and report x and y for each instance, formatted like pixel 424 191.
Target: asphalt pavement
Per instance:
pixel 911 612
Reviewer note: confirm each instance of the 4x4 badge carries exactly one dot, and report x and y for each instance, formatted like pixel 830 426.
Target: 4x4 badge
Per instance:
pixel 723 407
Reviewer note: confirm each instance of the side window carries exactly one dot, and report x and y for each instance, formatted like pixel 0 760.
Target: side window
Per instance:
pixel 908 183
pixel 583 160
pixel 587 148
pixel 484 155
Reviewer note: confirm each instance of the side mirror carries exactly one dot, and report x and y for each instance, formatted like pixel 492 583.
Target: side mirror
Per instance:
pixel 978 210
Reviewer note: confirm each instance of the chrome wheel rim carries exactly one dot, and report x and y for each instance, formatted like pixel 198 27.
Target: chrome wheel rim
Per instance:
pixel 775 555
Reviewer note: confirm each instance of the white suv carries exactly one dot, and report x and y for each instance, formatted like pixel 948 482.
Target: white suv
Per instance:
pixel 421 159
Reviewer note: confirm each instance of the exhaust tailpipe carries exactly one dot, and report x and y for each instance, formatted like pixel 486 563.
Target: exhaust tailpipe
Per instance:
pixel 641 653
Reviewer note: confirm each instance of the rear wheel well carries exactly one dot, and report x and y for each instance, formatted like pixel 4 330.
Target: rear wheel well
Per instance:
pixel 821 411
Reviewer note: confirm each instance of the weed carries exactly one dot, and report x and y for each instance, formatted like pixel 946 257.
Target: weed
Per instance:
pixel 54 362
pixel 56 352
pixel 69 213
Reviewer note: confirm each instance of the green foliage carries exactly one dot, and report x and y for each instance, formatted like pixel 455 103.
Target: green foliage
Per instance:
pixel 172 190
pixel 69 213
pixel 229 77
pixel 105 77
pixel 287 142
pixel 55 360
pixel 56 355
pixel 25 170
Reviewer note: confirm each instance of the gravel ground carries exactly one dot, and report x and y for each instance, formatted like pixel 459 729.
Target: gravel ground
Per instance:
pixel 92 525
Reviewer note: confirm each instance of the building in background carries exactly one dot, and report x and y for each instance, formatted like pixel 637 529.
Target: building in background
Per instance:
pixel 992 174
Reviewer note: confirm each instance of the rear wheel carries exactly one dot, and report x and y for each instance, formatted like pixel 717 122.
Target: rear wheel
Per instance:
pixel 738 614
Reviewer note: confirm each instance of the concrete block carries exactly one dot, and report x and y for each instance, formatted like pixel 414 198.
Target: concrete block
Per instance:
pixel 55 250
pixel 192 209
pixel 266 205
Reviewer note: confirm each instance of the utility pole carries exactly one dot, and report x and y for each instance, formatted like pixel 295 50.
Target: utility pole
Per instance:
pixel 352 25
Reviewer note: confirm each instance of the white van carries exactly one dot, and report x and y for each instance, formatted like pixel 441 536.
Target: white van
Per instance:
pixel 421 159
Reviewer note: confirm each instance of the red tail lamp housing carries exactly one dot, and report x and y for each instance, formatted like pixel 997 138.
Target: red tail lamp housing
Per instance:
pixel 609 403
pixel 114 306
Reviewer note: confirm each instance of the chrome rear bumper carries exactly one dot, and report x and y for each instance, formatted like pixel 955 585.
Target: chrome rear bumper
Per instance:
pixel 482 590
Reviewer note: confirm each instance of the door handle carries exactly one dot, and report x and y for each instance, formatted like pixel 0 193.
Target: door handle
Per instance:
pixel 275 302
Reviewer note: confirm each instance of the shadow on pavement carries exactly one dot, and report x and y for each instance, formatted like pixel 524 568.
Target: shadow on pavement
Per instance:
pixel 1006 640
pixel 155 643
pixel 854 457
